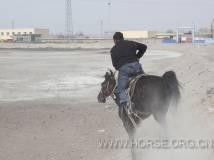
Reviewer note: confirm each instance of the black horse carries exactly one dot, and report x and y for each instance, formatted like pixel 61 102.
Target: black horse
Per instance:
pixel 152 95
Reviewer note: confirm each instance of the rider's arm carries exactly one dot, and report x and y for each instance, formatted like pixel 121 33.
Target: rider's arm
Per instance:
pixel 141 48
pixel 114 60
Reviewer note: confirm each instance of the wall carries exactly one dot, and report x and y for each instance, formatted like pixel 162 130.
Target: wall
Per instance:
pixel 42 31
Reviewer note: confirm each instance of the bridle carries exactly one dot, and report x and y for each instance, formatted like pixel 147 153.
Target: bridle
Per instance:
pixel 108 89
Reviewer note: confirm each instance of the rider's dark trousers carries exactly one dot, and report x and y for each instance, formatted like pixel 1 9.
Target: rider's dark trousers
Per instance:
pixel 125 72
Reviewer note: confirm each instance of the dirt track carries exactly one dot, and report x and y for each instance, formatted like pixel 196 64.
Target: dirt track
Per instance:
pixel 59 126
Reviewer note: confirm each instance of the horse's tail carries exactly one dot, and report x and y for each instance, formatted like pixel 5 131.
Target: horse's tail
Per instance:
pixel 173 86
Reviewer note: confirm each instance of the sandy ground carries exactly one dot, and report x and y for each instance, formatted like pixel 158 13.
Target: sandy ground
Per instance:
pixel 59 122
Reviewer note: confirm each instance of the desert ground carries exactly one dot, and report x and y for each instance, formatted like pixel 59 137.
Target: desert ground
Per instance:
pixel 49 108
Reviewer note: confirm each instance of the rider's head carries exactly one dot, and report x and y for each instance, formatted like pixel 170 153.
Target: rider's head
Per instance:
pixel 118 36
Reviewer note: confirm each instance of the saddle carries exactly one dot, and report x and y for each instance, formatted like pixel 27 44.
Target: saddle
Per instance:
pixel 131 88
pixel 132 83
pixel 133 77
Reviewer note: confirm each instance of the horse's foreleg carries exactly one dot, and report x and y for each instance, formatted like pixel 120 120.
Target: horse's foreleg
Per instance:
pixel 164 126
pixel 130 130
pixel 162 121
pixel 133 147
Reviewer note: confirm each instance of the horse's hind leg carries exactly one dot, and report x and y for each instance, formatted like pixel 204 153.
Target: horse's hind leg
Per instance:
pixel 161 119
pixel 134 153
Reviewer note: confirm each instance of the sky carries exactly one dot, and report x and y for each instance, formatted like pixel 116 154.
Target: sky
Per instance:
pixel 123 15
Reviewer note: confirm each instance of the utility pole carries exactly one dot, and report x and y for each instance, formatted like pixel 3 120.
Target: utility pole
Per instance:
pixel 68 21
pixel 12 24
pixel 193 33
pixel 101 28
pixel 212 28
pixel 109 16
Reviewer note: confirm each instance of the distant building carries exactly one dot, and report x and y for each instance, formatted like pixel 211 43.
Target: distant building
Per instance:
pixel 165 36
pixel 27 35
pixel 138 34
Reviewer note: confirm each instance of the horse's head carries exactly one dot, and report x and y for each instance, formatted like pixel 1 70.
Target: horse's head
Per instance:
pixel 107 86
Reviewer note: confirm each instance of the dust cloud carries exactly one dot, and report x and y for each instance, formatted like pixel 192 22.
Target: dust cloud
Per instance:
pixel 188 136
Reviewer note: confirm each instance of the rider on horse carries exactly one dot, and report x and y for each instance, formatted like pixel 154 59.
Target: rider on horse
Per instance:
pixel 125 57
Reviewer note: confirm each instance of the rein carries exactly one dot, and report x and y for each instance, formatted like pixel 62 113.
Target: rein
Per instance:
pixel 111 93
pixel 108 89
pixel 127 112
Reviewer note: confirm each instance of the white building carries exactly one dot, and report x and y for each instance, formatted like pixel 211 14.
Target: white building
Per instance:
pixel 138 34
pixel 8 34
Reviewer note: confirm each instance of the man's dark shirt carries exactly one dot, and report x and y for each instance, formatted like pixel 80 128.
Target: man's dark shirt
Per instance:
pixel 126 52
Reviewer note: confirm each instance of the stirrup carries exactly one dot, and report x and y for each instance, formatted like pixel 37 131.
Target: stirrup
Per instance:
pixel 129 108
